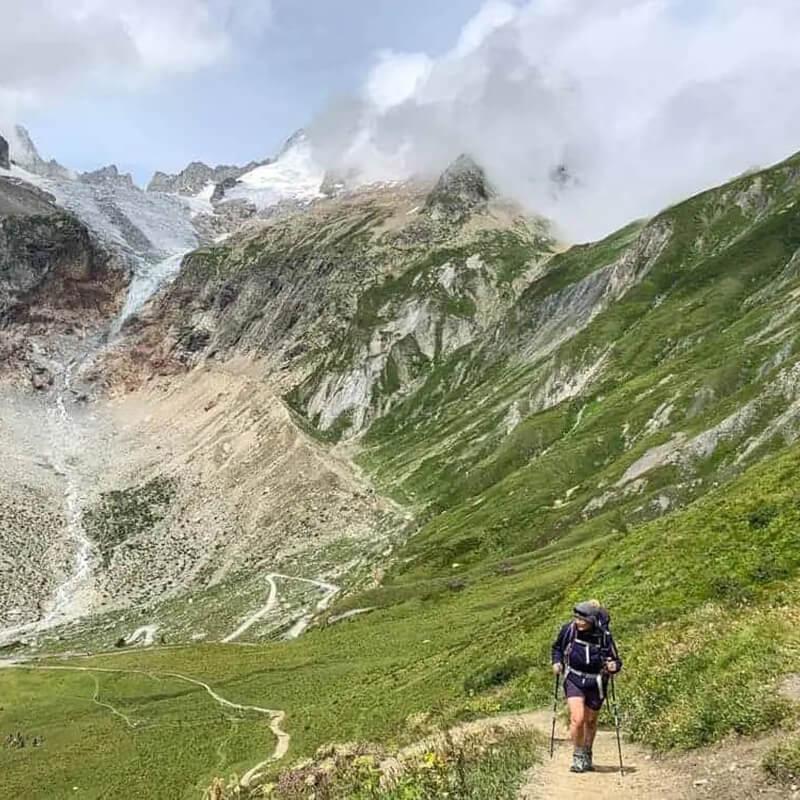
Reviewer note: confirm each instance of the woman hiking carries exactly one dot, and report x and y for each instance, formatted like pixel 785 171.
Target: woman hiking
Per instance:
pixel 585 653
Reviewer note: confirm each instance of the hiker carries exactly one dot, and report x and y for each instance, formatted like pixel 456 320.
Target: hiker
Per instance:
pixel 585 653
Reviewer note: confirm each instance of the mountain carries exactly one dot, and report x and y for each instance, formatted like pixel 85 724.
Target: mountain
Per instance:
pixel 193 179
pixel 25 155
pixel 108 176
pixel 387 437
pixel 291 174
pixel 462 188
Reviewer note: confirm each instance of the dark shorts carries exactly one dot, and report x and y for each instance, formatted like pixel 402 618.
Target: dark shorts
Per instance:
pixel 575 686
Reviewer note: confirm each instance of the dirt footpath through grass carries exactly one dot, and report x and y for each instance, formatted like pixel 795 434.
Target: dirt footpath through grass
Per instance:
pixel 645 777
pixel 728 770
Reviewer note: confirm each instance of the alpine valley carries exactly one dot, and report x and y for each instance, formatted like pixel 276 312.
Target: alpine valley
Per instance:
pixel 289 461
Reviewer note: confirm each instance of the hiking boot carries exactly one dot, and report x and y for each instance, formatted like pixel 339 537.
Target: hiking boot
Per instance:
pixel 589 766
pixel 579 760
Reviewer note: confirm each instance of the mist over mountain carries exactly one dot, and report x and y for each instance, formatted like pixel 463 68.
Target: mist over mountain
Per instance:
pixel 647 102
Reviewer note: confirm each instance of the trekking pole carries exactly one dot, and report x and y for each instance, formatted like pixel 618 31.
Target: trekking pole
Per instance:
pixel 555 713
pixel 615 712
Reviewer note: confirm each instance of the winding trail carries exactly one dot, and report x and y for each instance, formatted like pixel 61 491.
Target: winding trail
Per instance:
pixel 272 599
pixel 330 591
pixel 277 717
pixel 96 700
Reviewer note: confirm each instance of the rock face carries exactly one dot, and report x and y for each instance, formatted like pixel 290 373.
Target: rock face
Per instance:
pixel 23 199
pixel 4 162
pixel 25 154
pixel 50 253
pixel 48 259
pixel 108 176
pixel 194 178
pixel 462 189
pixel 354 301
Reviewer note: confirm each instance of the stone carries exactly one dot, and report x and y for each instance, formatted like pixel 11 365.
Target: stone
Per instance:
pixel 41 379
pixel 222 187
pixel 4 161
pixel 196 176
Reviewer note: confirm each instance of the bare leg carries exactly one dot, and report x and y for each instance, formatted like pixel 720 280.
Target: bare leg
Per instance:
pixel 577 717
pixel 590 726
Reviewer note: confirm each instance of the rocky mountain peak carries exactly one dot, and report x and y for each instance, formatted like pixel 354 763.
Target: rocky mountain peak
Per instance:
pixel 189 180
pixel 298 137
pixel 4 161
pixel 108 175
pixel 23 152
pixel 193 178
pixel 461 189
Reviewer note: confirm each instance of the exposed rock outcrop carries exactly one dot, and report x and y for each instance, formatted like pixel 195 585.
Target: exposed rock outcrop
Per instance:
pixel 462 189
pixel 192 179
pixel 51 257
pixel 351 302
pixel 108 176
pixel 54 278
pixel 23 152
pixel 4 161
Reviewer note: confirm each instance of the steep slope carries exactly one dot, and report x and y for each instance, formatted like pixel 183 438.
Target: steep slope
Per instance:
pixel 629 377
pixel 54 278
pixel 351 303
pixel 626 429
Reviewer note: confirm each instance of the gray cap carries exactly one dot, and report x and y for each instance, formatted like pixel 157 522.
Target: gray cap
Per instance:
pixel 586 610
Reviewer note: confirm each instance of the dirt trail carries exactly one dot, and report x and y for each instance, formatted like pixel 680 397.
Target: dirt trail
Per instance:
pixel 276 717
pixel 330 591
pixel 645 776
pixel 262 612
pixel 96 700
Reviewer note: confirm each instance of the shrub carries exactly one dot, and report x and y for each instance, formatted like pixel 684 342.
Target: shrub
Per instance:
pixel 486 766
pixel 782 763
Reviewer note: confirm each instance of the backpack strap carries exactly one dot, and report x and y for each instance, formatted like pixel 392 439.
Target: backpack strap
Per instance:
pixel 573 635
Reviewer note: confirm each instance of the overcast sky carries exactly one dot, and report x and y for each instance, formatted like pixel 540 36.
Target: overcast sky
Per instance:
pixel 637 103
pixel 153 84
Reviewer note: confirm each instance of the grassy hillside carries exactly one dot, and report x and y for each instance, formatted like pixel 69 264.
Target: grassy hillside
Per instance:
pixel 700 600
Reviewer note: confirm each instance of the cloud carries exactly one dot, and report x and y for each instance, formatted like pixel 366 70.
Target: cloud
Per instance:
pixel 637 103
pixel 396 77
pixel 50 46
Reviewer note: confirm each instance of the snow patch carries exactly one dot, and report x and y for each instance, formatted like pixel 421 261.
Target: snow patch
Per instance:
pixel 200 203
pixel 294 176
